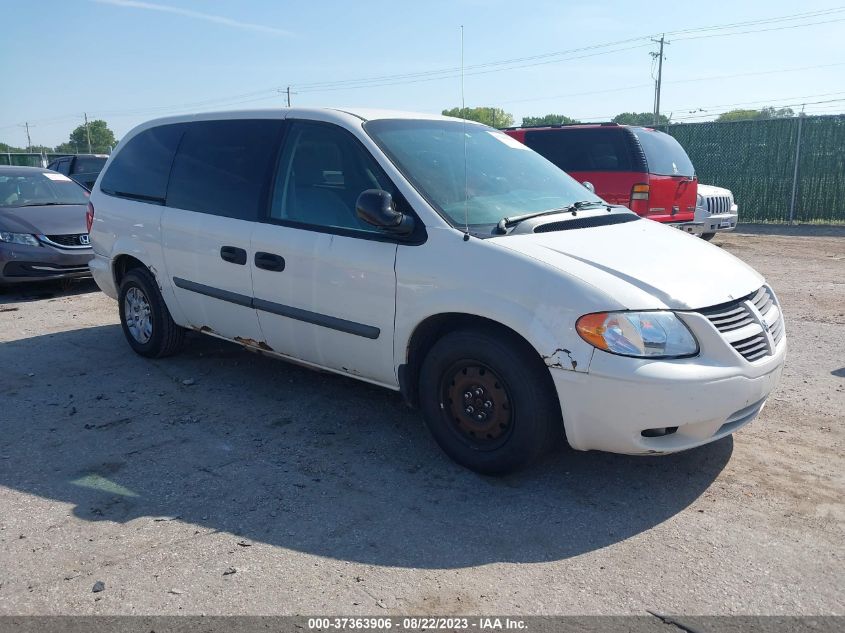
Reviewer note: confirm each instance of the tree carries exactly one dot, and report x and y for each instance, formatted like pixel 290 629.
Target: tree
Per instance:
pixel 102 139
pixel 548 119
pixel 494 117
pixel 768 112
pixel 4 147
pixel 640 118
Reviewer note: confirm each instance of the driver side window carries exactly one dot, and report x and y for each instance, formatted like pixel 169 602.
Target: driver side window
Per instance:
pixel 321 173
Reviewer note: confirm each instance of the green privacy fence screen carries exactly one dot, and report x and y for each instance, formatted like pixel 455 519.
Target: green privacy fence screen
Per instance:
pixel 756 160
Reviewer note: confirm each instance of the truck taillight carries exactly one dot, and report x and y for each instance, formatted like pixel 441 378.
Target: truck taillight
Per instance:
pixel 89 217
pixel 639 199
pixel 639 192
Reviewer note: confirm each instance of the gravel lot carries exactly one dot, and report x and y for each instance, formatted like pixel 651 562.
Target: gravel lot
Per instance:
pixel 220 481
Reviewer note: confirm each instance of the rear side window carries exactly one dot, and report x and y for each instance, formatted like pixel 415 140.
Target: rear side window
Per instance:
pixel 140 169
pixel 664 154
pixel 224 167
pixel 592 149
pixel 88 164
pixel 62 166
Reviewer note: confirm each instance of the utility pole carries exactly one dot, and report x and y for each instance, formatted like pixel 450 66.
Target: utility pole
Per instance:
pixel 87 132
pixel 28 139
pixel 288 96
pixel 659 80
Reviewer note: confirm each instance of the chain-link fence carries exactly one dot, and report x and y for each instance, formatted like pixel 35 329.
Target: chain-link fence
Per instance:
pixel 778 169
pixel 25 159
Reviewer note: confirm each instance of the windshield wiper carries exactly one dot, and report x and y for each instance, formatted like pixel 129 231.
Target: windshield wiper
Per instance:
pixel 504 223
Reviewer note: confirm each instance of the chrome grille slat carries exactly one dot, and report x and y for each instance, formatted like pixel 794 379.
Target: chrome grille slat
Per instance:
pixel 730 318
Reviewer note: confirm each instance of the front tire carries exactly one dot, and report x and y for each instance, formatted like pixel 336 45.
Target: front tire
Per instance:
pixel 146 321
pixel 489 401
pixel 708 236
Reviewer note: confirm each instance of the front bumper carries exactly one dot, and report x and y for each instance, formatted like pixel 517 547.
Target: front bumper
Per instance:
pixel 698 400
pixel 21 263
pixel 720 222
pixel 694 228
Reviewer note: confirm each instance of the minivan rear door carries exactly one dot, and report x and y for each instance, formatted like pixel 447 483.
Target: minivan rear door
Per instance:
pixel 324 281
pixel 218 187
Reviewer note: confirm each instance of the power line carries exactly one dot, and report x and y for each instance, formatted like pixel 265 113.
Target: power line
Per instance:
pixel 488 67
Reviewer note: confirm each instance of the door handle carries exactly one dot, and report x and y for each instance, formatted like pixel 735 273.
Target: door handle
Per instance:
pixel 269 261
pixel 233 254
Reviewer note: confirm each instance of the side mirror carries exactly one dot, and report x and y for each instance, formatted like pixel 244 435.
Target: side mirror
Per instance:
pixel 589 186
pixel 375 206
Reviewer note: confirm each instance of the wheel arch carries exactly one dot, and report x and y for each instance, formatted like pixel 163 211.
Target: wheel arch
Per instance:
pixel 433 328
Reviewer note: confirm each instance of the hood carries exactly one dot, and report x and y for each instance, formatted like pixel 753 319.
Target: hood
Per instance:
pixel 642 265
pixel 64 219
pixel 709 191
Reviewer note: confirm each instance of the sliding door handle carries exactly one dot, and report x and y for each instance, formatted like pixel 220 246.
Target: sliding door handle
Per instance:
pixel 269 261
pixel 233 255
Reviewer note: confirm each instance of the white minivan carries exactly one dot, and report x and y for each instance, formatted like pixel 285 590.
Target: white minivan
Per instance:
pixel 442 259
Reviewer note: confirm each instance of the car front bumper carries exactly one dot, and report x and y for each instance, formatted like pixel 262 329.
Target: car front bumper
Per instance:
pixel 720 222
pixel 694 228
pixel 697 400
pixel 21 263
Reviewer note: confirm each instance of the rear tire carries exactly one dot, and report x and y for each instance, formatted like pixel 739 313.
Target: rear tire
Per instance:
pixel 488 401
pixel 708 236
pixel 146 321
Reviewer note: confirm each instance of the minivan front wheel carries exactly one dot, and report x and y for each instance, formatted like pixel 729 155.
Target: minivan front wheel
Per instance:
pixel 488 401
pixel 146 321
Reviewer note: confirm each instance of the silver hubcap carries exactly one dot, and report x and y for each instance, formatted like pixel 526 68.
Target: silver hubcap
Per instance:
pixel 136 309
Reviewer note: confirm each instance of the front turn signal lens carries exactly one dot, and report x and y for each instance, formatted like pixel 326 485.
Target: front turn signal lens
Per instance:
pixel 657 334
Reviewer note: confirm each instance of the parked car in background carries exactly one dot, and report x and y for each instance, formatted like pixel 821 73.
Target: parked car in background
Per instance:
pixel 43 232
pixel 715 210
pixel 83 168
pixel 643 169
pixel 442 259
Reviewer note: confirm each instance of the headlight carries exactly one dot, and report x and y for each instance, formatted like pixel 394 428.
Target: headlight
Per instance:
pixel 638 334
pixel 699 200
pixel 18 238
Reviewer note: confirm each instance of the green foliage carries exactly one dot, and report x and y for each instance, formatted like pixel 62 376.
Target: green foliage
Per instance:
pixel 494 117
pixel 548 119
pixel 5 147
pixel 102 139
pixel 640 118
pixel 768 112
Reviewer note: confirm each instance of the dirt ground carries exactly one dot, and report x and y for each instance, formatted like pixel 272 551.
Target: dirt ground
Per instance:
pixel 219 481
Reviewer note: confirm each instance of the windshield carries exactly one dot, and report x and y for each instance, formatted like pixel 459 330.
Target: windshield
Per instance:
pixel 503 177
pixel 664 154
pixel 38 188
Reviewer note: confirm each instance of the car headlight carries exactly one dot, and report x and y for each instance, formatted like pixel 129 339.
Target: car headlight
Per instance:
pixel 638 334
pixel 18 238
pixel 699 200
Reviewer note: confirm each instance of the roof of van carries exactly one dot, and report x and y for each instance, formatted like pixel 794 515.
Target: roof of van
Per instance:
pixel 557 126
pixel 364 114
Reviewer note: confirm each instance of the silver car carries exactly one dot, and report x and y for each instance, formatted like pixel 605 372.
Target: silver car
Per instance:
pixel 43 227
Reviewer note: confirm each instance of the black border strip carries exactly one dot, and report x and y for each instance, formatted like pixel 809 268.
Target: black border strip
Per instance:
pixel 323 320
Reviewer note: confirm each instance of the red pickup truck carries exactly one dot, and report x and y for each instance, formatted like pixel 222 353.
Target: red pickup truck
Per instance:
pixel 646 170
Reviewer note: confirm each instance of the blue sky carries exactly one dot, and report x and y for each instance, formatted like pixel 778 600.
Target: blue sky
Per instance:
pixel 127 61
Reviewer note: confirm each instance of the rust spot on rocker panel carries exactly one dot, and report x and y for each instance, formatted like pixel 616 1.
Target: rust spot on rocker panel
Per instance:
pixel 249 342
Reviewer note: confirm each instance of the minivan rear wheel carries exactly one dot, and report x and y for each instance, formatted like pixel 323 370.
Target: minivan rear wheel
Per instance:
pixel 146 321
pixel 488 401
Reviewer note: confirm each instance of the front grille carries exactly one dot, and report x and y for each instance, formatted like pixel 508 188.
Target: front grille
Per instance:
pixel 718 204
pixel 752 325
pixel 70 240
